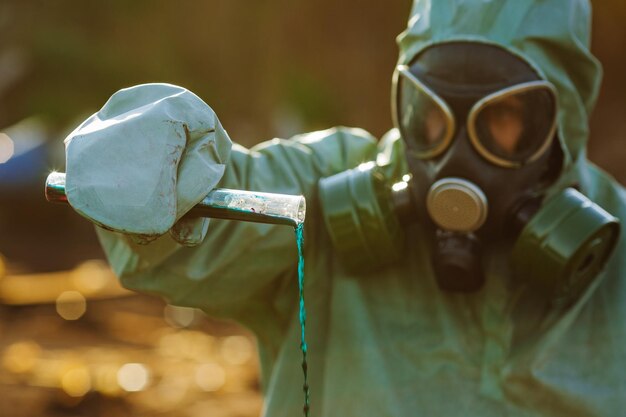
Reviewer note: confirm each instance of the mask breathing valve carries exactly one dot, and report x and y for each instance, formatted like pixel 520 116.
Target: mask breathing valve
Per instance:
pixel 457 205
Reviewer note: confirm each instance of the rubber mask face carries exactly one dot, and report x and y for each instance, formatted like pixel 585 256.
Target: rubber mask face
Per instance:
pixel 479 127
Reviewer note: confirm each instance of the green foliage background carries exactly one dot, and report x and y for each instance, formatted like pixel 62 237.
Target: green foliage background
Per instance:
pixel 268 67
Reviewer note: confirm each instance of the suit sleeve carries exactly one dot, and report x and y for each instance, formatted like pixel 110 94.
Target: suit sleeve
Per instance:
pixel 240 265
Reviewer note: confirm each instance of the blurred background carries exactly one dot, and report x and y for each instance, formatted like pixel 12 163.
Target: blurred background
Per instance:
pixel 72 342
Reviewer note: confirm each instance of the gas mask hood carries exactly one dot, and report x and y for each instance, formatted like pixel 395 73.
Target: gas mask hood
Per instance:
pixel 479 127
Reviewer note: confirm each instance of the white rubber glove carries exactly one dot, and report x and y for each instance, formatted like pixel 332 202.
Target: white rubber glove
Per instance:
pixel 149 155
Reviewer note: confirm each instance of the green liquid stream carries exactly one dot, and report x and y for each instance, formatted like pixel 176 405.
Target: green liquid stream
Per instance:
pixel 300 241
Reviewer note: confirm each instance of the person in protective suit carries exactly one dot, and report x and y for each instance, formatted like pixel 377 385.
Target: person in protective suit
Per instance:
pixel 487 281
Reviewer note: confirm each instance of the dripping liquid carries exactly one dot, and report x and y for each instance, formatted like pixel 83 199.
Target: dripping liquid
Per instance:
pixel 299 229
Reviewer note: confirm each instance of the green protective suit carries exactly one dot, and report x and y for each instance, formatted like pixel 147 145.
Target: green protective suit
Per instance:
pixel 389 342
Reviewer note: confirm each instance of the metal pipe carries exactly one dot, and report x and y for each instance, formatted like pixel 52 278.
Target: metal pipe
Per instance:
pixel 222 203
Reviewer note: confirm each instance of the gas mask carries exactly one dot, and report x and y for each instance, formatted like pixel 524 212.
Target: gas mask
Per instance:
pixel 479 130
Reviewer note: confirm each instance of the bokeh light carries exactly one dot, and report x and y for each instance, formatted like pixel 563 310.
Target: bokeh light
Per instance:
pixel 236 350
pixel 133 377
pixel 76 381
pixel 90 277
pixel 210 377
pixel 21 357
pixel 71 305
pixel 7 148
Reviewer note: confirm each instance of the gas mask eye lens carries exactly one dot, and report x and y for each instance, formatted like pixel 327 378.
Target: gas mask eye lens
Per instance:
pixel 423 118
pixel 503 122
pixel 514 126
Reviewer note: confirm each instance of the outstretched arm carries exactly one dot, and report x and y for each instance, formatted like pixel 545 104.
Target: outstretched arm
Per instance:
pixel 240 267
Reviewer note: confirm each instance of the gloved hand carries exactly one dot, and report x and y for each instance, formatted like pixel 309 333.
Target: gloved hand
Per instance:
pixel 147 157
